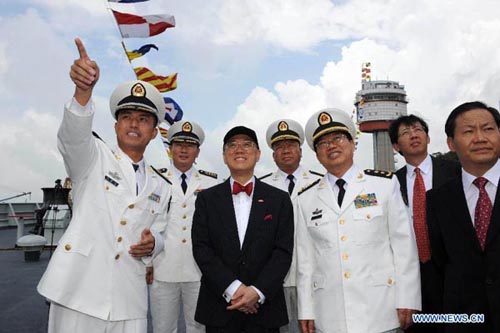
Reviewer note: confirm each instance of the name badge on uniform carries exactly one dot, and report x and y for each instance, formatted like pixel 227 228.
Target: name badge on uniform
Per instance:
pixel 365 200
pixel 111 180
pixel 317 214
pixel 155 197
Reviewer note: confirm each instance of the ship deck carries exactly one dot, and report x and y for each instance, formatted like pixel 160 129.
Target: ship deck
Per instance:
pixel 22 309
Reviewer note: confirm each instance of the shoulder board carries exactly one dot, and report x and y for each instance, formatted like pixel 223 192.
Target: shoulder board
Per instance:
pixel 309 186
pixel 265 176
pixel 316 173
pixel 207 173
pixel 159 173
pixel 379 173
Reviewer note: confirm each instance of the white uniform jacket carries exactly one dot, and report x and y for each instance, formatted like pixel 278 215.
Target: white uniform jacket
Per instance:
pixel 277 179
pixel 176 262
pixel 358 264
pixel 91 270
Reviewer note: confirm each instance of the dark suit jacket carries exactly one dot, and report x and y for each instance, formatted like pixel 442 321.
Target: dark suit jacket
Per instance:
pixel 431 280
pixel 443 170
pixel 471 277
pixel 263 261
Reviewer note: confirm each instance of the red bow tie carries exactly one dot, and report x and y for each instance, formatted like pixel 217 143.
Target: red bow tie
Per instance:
pixel 237 188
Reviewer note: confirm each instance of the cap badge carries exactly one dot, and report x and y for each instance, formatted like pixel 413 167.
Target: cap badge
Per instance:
pixel 324 118
pixel 283 126
pixel 187 127
pixel 138 90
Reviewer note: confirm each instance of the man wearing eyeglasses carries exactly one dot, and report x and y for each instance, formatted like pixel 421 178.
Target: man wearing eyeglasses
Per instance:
pixel 410 137
pixel 357 264
pixel 174 276
pixel 285 137
pixel 242 241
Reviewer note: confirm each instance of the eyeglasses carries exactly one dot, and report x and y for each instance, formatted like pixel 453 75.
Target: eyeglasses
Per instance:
pixel 407 130
pixel 335 140
pixel 246 146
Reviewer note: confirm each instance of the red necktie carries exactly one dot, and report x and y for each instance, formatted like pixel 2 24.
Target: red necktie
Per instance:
pixel 237 188
pixel 419 224
pixel 482 214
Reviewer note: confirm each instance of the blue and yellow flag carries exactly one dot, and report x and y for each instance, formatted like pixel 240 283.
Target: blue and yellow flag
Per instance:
pixel 140 51
pixel 127 1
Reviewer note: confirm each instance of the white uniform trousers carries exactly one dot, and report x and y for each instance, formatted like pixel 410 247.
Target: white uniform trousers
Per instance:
pixel 291 308
pixel 63 320
pixel 166 299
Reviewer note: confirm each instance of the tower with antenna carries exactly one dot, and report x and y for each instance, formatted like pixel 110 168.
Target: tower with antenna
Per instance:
pixel 377 104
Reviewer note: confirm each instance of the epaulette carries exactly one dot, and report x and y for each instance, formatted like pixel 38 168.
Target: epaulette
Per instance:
pixel 159 173
pixel 207 173
pixel 265 176
pixel 316 173
pixel 309 186
pixel 379 173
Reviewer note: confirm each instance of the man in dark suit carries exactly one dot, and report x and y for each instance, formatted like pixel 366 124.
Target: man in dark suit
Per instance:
pixel 242 241
pixel 410 137
pixel 464 220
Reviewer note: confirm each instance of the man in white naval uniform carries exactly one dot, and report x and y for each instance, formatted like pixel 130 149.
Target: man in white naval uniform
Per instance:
pixel 285 137
pixel 175 277
pixel 95 280
pixel 357 261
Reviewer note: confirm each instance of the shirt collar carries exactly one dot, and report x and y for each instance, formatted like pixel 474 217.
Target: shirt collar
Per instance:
pixel 141 163
pixel 252 179
pixel 492 175
pixel 178 173
pixel 347 176
pixel 425 167
pixel 295 174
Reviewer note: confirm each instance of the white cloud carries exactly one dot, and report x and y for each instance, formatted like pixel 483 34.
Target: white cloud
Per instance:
pixel 444 52
pixel 29 152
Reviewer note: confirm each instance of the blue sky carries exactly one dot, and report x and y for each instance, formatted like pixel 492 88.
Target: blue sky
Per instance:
pixel 240 62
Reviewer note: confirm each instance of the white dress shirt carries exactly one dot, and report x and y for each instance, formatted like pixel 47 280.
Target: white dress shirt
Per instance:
pixel 471 191
pixel 426 172
pixel 178 174
pixel 347 176
pixel 295 174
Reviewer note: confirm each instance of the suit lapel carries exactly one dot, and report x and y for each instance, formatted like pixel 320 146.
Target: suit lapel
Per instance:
pixel 175 182
pixel 439 173
pixel 228 218
pixel 128 175
pixel 194 183
pixel 401 174
pixel 353 189
pixel 325 194
pixel 148 184
pixel 257 212
pixel 494 221
pixel 456 199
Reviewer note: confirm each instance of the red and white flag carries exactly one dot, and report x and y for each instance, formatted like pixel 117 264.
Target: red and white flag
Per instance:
pixel 142 26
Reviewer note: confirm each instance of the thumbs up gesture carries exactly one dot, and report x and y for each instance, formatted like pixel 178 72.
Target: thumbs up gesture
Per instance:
pixel 84 73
